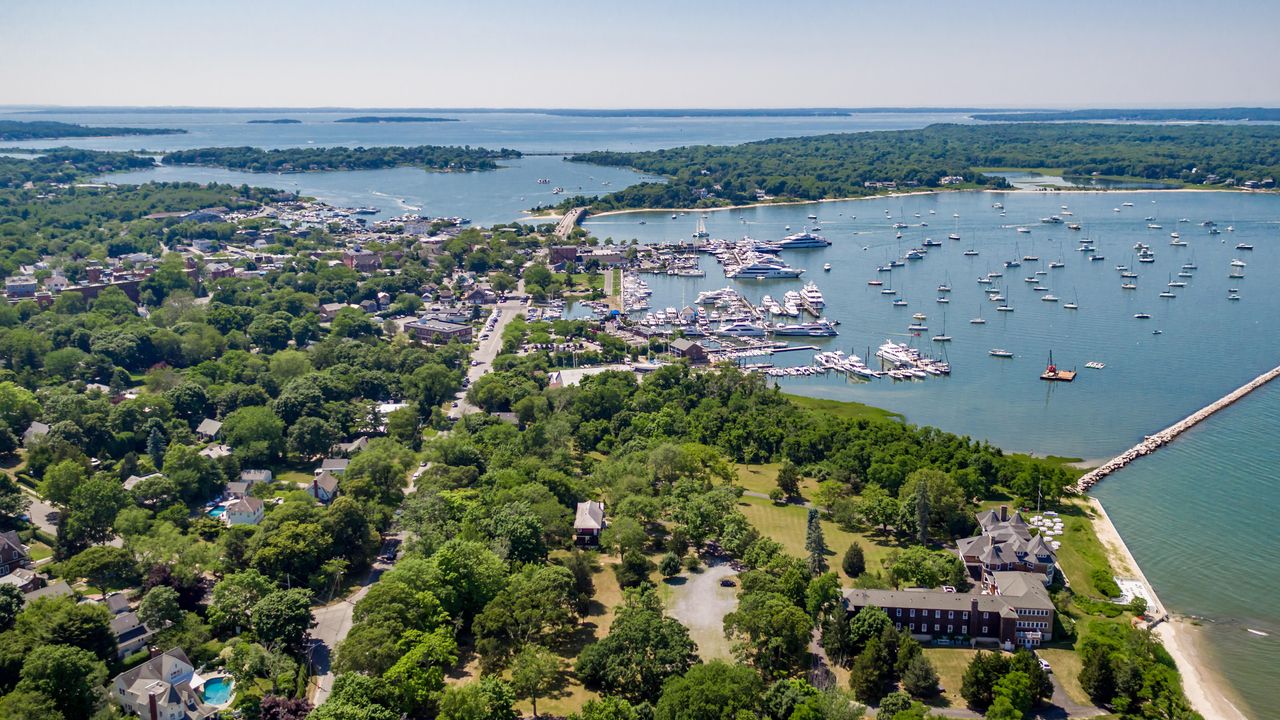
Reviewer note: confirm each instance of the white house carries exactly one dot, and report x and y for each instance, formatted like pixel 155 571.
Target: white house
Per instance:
pixel 245 511
pixel 323 487
pixel 161 689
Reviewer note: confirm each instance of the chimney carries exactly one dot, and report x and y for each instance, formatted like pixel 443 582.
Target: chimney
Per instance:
pixel 1004 513
pixel 151 706
pixel 315 487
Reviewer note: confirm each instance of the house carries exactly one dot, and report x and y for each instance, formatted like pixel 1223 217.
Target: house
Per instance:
pixel 20 286
pixel 23 579
pixel 161 689
pixel 34 431
pixel 131 633
pixel 438 332
pixel 245 511
pixel 132 481
pixel 361 260
pixel 219 270
pixel 588 522
pixel 1006 543
pixel 213 452
pixel 480 296
pixel 333 466
pixel 56 283
pixel 57 588
pixel 323 487
pixel 690 350
pixel 13 554
pixel 249 477
pixel 1019 613
pixel 208 428
pixel 329 311
pixel 351 448
pixel 237 489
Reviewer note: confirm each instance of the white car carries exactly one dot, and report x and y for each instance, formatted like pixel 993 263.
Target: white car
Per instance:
pixel 1044 665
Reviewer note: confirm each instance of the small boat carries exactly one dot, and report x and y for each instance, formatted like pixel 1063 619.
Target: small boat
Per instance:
pixel 953 236
pixel 1128 286
pixel 1237 263
pixel 826 267
pixel 921 317
pixel 1024 231
pixel 1233 297
pixel 1000 353
pixel 874 282
pixel 1142 316
pixel 978 320
pixel 970 252
pixel 1168 295
pixel 1157 332
pixel 1049 298
pixel 944 300
pixel 899 303
pixel 1244 246
pixel 1095 365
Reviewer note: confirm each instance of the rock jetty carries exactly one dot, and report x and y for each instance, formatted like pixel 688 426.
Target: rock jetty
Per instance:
pixel 1151 443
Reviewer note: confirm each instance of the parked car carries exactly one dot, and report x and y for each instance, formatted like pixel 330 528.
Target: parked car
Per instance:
pixel 1044 665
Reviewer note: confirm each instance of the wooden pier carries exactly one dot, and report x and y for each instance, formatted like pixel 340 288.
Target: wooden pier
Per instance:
pixel 1151 443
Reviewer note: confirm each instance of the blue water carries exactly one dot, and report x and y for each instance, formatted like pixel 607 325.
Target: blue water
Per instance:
pixel 1208 345
pixel 217 512
pixel 217 691
pixel 1197 517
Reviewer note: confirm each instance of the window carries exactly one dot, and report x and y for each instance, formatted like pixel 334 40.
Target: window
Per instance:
pixel 899 612
pixel 984 629
pixel 951 614
pixel 964 615
pixel 936 627
pixel 985 615
pixel 913 612
pixel 913 627
pixel 951 630
pixel 937 614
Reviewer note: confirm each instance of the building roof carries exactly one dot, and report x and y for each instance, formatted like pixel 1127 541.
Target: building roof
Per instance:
pixel 590 516
pixel 57 588
pixel 10 539
pixel 1025 589
pixel 925 600
pixel 325 481
pixel 237 488
pixel 208 427
pixel 117 603
pixel 683 344
pixel 437 326
pixel 132 481
pixel 253 476
pixel 216 451
pixel 246 505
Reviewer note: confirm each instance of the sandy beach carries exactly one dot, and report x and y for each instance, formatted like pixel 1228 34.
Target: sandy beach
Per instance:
pixel 1204 688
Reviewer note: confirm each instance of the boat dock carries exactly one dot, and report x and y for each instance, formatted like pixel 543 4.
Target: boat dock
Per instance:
pixel 1151 443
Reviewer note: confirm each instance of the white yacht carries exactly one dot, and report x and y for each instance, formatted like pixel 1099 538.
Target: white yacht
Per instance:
pixel 741 328
pixel 803 240
pixel 813 296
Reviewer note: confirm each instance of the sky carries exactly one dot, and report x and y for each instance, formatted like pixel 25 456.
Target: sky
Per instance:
pixel 640 53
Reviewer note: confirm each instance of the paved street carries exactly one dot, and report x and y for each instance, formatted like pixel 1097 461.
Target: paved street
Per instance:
pixel 487 350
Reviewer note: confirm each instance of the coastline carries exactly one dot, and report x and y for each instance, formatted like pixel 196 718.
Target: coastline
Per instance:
pixel 1064 190
pixel 1205 689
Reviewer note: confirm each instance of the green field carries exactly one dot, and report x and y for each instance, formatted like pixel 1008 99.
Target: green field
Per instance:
pixel 786 524
pixel 842 409
pixel 950 663
pixel 1081 550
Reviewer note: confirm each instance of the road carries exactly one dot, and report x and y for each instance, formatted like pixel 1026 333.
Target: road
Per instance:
pixel 487 350
pixel 570 221
pixel 43 514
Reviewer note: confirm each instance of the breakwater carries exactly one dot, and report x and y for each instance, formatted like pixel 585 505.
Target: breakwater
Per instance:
pixel 1151 443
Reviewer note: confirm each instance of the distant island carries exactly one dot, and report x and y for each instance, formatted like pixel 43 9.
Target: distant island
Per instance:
pixel 309 159
pixel 50 130
pixel 955 156
pixel 278 121
pixel 1238 114
pixel 394 119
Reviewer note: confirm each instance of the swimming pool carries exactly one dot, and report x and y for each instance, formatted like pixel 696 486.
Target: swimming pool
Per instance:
pixel 218 511
pixel 217 691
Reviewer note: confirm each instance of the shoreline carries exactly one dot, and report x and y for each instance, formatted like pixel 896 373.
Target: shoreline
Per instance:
pixel 1205 688
pixel 723 208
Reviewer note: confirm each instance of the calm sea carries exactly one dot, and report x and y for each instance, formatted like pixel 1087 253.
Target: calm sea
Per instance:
pixel 1178 510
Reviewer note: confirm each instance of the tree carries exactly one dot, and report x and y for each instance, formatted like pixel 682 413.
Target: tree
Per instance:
pixel 670 565
pixel 892 704
pixel 11 600
pixel 946 503
pixel 536 606
pixel 159 607
pixel 984 671
pixel 877 508
pixel 417 678
pixel 920 679
pixel 534 672
pixel 789 479
pixel 277 707
pixel 872 673
pixel 61 479
pixel 643 649
pixel 104 567
pixel 921 567
pixel 816 544
pixel 782 697
pixel 402 426
pixel 255 433
pixel 634 570
pixel 1002 709
pixel 869 622
pixel 487 699
pixel 310 437
pixel 822 596
pixel 769 632
pixel 69 676
pixel 156 446
pixel 234 597
pixel 465 576
pixel 922 512
pixel 29 704
pixel 712 691
pixel 61 621
pixel 90 511
pixel 18 405
pixel 606 708
pixel 1015 687
pixel 853 564
pixel 282 619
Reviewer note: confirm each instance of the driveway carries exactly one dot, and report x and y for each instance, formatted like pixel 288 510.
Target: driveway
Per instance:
pixel 700 604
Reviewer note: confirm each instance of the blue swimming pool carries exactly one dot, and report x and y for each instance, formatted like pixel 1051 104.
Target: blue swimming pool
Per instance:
pixel 218 512
pixel 217 691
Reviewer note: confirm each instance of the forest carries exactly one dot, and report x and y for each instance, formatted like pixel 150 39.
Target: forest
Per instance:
pixel 1235 114
pixel 430 157
pixel 49 129
pixel 833 166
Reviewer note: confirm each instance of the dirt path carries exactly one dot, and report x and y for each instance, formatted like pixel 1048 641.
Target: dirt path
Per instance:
pixel 700 603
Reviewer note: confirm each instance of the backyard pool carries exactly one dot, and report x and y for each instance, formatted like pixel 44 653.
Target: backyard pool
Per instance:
pixel 218 511
pixel 217 690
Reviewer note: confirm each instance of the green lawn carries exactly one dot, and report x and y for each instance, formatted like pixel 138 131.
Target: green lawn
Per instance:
pixel 1081 550
pixel 850 410
pixel 786 524
pixel 763 478
pixel 950 663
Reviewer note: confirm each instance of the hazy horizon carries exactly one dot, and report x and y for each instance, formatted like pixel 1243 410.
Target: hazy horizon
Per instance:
pixel 574 54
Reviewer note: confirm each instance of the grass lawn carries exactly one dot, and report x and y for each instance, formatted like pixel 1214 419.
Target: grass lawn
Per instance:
pixel 849 410
pixel 950 664
pixel 295 477
pixel 763 478
pixel 1081 550
pixel 786 524
pixel 1066 666
pixel 39 550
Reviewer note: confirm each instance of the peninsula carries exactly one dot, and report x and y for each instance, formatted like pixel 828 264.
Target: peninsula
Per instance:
pixel 11 130
pixel 394 119
pixel 310 159
pixel 277 121
pixel 939 156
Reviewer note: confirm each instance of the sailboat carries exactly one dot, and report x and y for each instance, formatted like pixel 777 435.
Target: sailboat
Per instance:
pixel 701 231
pixel 1075 302
pixel 944 337
pixel 979 320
